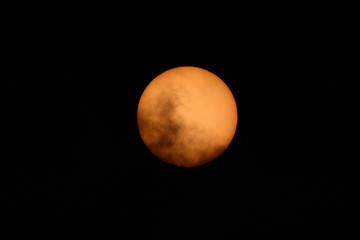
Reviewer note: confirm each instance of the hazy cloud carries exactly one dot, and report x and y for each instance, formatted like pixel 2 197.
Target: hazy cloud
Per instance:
pixel 168 133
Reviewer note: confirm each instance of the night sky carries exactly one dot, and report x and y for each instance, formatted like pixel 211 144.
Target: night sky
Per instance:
pixel 74 160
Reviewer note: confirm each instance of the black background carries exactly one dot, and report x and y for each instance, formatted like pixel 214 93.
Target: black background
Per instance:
pixel 74 160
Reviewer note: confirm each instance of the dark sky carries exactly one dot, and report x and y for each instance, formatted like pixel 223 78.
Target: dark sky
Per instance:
pixel 74 159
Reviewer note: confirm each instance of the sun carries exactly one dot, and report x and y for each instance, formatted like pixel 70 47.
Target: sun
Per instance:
pixel 187 116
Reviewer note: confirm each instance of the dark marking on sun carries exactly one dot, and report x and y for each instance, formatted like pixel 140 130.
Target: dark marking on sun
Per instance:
pixel 170 137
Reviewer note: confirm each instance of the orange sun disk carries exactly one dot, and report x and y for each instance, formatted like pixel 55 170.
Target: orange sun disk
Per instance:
pixel 187 116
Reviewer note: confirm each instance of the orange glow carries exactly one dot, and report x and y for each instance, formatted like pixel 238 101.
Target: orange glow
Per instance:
pixel 187 116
